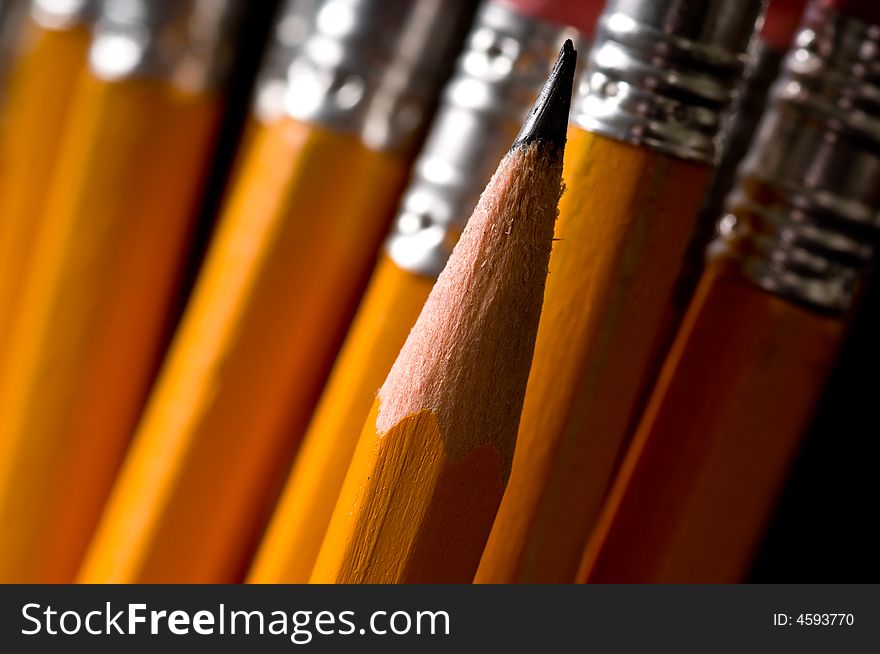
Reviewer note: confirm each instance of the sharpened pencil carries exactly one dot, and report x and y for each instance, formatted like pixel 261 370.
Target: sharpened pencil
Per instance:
pixel 508 53
pixel 433 458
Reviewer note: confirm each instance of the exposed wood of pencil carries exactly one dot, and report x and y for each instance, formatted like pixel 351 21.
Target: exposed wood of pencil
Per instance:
pixel 432 461
pixel 433 458
pixel 388 311
pixel 45 71
pixel 282 279
pixel 709 458
pixel 94 314
pixel 622 233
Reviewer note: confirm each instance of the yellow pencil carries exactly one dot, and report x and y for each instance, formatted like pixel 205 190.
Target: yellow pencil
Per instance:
pixel 484 105
pixel 47 61
pixel 312 201
pixel 93 314
pixel 433 457
pixel 642 141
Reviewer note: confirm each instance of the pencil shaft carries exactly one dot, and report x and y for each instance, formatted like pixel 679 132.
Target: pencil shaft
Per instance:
pixel 36 107
pixel 710 455
pixel 94 313
pixel 620 239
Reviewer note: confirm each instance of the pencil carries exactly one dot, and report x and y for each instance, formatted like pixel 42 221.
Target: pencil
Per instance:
pixel 299 235
pixel 430 467
pixel 737 391
pixel 46 62
pixel 642 141
pixel 484 105
pixel 93 316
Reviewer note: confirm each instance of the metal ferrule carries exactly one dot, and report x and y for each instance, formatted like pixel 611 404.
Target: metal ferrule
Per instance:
pixel 662 73
pixel 497 78
pixel 373 67
pixel 804 216
pixel 63 14
pixel 290 32
pixel 187 42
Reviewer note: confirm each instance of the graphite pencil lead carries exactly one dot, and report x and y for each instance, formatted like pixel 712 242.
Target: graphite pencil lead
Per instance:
pixel 548 119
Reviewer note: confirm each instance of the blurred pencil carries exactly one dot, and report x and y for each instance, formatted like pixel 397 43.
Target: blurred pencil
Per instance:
pixel 94 312
pixel 46 62
pixel 312 201
pixel 509 50
pixel 737 391
pixel 430 467
pixel 641 146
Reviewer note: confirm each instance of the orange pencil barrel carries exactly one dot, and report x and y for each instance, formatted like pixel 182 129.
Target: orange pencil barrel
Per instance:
pixel 467 139
pixel 48 59
pixel 636 172
pixel 725 420
pixel 312 201
pixel 603 307
pixel 96 308
pixel 390 307
pixel 736 393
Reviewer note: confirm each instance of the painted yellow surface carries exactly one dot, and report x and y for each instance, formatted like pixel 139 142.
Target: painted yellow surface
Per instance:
pixel 36 104
pixel 390 308
pixel 94 314
pixel 624 225
pixel 272 304
pixel 383 532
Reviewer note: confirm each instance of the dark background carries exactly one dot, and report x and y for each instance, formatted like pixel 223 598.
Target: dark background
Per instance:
pixel 826 526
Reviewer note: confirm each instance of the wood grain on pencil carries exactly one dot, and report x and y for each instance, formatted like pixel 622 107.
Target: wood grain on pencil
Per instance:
pixel 621 236
pixel 700 478
pixel 433 458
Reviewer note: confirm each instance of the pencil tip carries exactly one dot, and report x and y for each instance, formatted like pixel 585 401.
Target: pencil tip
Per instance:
pixel 548 119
